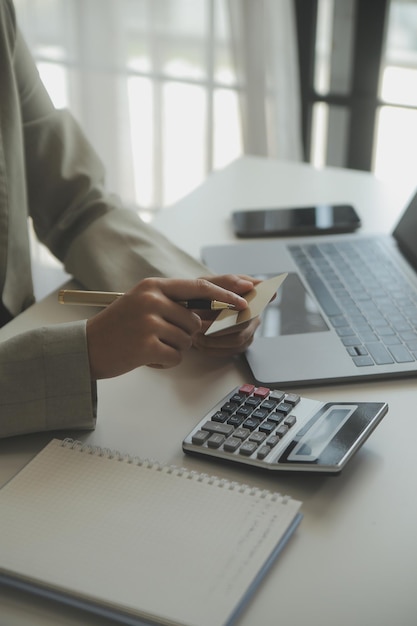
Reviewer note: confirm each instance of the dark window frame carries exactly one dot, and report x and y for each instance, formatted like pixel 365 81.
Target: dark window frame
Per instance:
pixel 362 102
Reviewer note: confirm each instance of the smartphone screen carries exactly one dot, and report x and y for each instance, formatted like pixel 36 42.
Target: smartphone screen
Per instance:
pixel 312 220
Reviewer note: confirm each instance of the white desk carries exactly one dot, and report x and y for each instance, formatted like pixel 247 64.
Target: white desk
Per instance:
pixel 353 560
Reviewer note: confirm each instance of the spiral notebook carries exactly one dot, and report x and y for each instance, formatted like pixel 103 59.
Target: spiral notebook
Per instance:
pixel 137 541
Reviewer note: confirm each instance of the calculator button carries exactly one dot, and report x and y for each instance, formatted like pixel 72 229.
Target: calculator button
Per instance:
pixel 281 430
pixel 241 433
pixel 248 448
pixel 290 420
pixel 267 427
pixel 214 427
pixel 263 452
pixel 229 407
pixel 258 437
pixel 215 440
pixel 272 441
pixel 269 405
pixel 200 437
pixel 247 389
pixel 260 414
pixel 252 401
pixel 261 392
pixel 237 398
pixel 284 407
pixel 244 411
pixel 276 418
pixel 251 423
pixel 219 416
pixel 292 398
pixel 235 420
pixel 276 395
pixel 232 444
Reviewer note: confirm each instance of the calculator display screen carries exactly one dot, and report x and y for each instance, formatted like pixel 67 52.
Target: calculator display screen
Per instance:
pixel 316 439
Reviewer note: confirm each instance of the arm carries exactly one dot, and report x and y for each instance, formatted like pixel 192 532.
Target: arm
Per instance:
pixel 44 373
pixel 45 382
pixel 101 244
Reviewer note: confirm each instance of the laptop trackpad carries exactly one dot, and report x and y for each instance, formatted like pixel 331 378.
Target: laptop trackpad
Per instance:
pixel 293 311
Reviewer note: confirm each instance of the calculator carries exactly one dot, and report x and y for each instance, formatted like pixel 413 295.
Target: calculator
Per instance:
pixel 280 431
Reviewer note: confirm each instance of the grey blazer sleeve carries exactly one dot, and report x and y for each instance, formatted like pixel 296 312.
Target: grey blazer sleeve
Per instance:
pixel 101 244
pixel 45 382
pixel 44 374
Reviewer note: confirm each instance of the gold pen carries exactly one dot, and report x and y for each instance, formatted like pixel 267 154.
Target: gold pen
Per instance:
pixel 104 298
pixel 87 298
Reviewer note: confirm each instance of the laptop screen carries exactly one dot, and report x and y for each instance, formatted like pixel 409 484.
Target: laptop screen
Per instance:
pixel 405 232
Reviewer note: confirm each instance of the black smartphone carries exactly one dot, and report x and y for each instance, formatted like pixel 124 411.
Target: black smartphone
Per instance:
pixel 312 220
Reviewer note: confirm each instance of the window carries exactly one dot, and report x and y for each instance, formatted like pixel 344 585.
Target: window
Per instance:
pixel 157 75
pixel 396 134
pixel 358 74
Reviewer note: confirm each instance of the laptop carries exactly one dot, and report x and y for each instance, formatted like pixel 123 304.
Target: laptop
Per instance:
pixel 346 312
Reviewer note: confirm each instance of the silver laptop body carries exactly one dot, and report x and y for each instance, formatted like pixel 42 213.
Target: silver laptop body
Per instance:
pixel 347 311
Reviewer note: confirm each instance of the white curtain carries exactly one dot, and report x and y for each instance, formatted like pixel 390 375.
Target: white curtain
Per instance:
pixel 263 39
pixel 168 90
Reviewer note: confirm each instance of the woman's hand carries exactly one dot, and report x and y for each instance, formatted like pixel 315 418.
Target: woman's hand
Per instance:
pixel 230 341
pixel 147 325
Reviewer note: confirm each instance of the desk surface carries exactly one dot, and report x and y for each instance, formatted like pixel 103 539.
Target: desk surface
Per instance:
pixel 353 560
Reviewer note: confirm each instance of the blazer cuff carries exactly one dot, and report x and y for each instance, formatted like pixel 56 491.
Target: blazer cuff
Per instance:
pixel 45 381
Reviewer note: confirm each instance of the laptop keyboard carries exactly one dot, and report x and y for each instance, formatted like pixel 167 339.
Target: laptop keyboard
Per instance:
pixel 367 299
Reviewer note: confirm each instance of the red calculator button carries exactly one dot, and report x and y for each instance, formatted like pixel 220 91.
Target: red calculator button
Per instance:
pixel 262 392
pixel 247 389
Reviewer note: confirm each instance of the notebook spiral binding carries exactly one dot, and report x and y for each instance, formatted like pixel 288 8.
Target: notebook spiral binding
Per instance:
pixel 223 483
